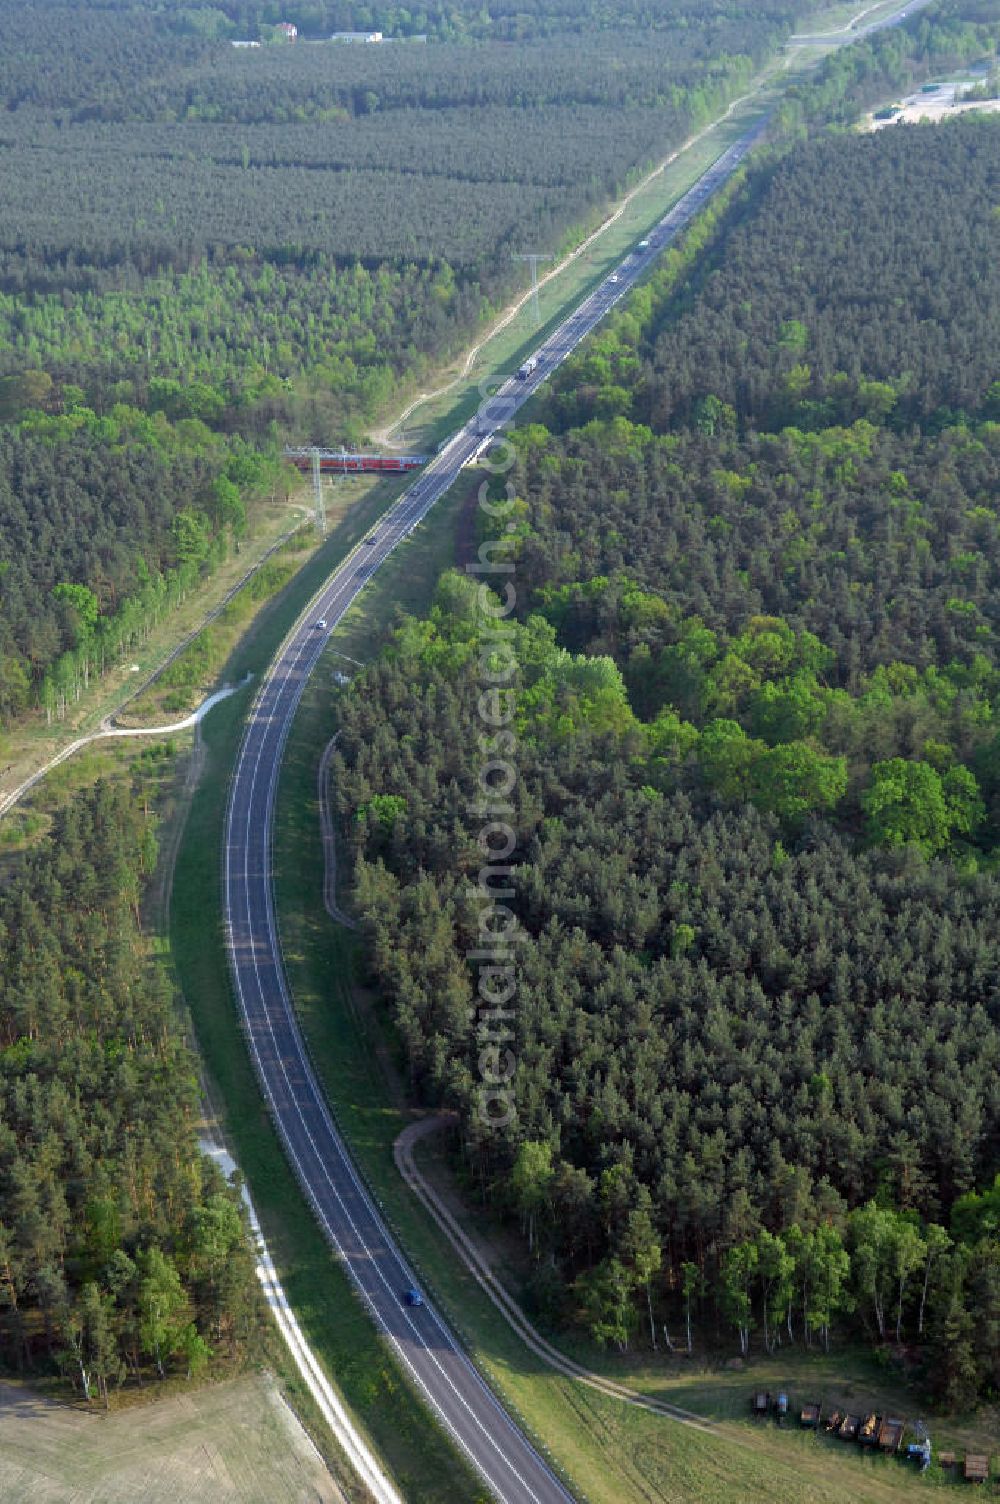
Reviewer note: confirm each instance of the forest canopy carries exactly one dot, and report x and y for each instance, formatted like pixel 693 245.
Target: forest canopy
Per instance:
pixel 201 241
pixel 756 721
pixel 123 1252
pixel 105 525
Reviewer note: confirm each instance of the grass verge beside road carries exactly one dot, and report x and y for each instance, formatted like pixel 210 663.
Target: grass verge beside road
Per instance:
pixel 613 1453
pixel 414 1450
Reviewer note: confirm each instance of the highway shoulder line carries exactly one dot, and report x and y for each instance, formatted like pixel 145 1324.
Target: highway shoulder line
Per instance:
pixel 353 1445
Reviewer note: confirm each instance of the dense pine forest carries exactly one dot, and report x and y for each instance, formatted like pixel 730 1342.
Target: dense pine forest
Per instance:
pixel 105 525
pixel 755 725
pixel 124 1255
pixel 207 249
pixel 758 745
pixel 385 154
pixel 311 209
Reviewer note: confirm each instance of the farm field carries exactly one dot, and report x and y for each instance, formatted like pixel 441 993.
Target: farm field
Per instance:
pixel 234 1441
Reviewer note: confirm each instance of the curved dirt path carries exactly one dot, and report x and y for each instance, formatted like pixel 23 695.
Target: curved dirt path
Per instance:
pixel 106 730
pixel 479 1267
pixel 330 903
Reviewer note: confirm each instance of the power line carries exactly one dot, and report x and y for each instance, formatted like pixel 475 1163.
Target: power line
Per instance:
pixel 318 493
pixel 534 258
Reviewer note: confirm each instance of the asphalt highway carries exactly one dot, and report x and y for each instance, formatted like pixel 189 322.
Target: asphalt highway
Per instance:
pixel 856 31
pixel 513 1468
pixel 510 1465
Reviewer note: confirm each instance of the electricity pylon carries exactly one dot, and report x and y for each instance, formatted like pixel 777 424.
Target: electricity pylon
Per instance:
pixel 534 259
pixel 318 494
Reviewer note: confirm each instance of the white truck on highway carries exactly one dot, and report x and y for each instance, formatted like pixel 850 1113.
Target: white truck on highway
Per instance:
pixel 523 372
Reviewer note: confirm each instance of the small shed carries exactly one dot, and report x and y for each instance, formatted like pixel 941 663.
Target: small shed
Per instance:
pixel 868 1434
pixel 849 1427
pixel 810 1415
pixel 977 1467
pixel 890 1434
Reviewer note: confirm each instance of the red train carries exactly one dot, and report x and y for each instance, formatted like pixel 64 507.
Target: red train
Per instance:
pixel 342 462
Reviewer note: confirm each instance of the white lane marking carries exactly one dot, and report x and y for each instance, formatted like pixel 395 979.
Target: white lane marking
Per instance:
pixel 338 587
pixel 340 593
pixel 358 1454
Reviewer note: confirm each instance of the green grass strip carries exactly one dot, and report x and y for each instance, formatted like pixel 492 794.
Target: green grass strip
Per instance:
pixel 415 1450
